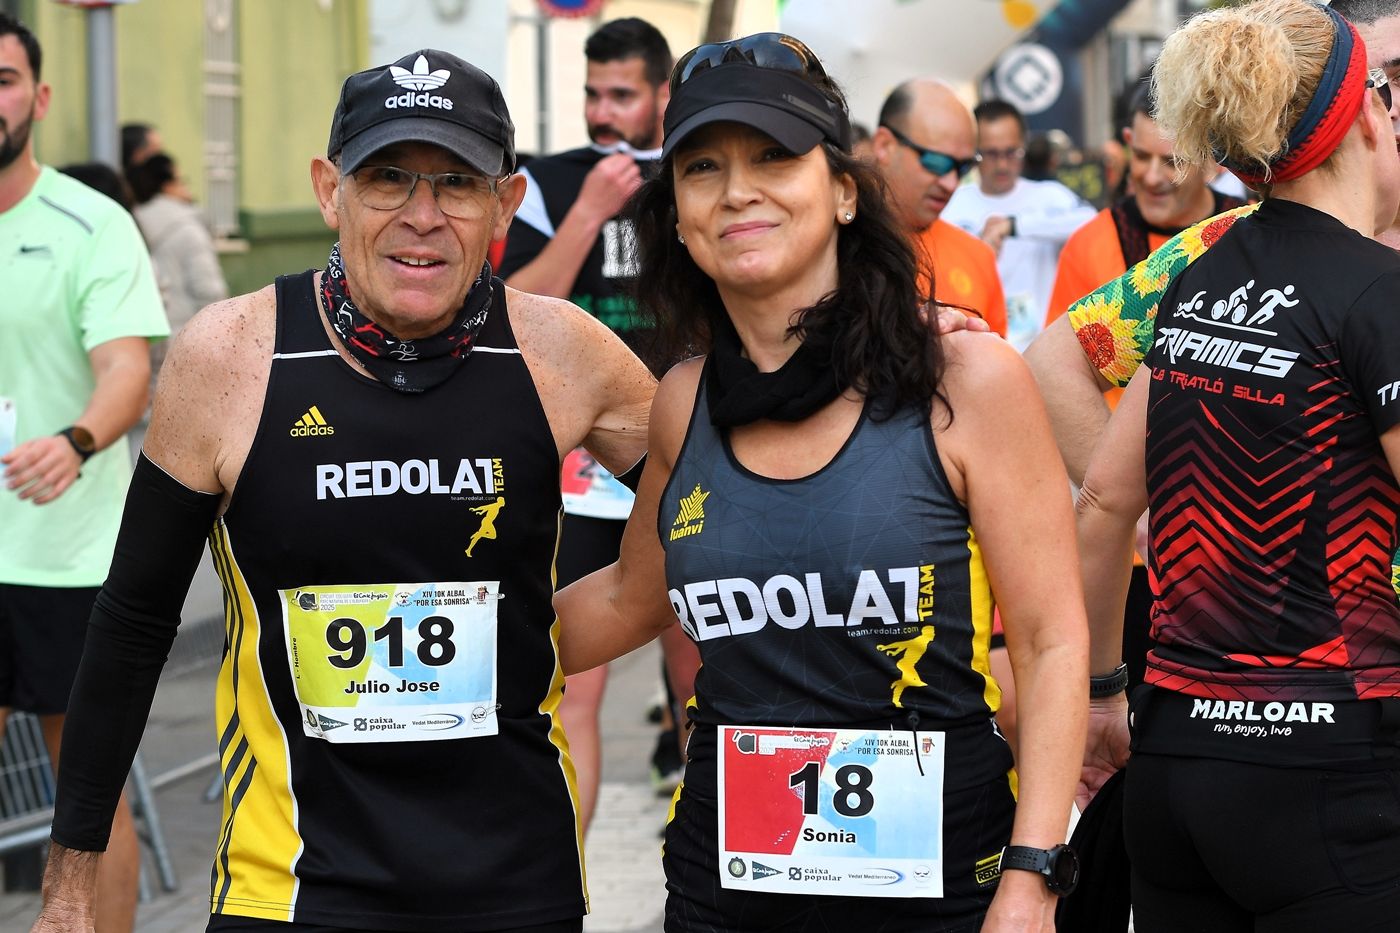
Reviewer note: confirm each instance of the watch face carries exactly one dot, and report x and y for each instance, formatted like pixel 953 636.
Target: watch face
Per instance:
pixel 84 439
pixel 1063 872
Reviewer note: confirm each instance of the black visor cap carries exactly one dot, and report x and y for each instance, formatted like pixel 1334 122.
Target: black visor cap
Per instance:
pixel 782 104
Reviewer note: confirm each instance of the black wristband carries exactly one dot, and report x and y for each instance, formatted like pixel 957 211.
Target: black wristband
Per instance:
pixel 1107 685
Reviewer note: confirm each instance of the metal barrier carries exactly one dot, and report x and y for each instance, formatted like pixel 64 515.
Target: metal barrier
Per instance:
pixel 26 785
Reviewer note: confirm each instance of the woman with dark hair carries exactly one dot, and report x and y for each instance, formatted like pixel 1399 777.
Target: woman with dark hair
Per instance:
pixel 1263 791
pixel 187 263
pixel 833 497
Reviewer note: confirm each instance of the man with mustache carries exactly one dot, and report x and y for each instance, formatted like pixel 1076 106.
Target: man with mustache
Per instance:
pixel 570 240
pixel 567 240
pixel 80 305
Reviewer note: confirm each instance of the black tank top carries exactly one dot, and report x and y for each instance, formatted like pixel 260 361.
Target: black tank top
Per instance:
pixel 390 754
pixel 853 595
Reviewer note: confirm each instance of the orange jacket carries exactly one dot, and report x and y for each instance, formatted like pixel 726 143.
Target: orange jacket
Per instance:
pixel 964 272
pixel 1090 258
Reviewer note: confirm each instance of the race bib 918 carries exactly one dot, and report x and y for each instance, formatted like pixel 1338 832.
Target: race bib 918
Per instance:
pixel 396 662
pixel 831 811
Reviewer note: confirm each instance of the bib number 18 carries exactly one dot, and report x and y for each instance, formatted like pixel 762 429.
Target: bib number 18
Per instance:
pixel 853 796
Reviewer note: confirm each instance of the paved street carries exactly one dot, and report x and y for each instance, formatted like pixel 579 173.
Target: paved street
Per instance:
pixel 624 863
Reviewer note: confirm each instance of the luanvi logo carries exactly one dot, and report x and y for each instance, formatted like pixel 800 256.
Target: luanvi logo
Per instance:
pixel 419 79
pixel 31 250
pixel 311 424
pixel 690 517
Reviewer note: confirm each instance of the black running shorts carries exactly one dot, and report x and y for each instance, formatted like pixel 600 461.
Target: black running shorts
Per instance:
pixel 1225 847
pixel 42 630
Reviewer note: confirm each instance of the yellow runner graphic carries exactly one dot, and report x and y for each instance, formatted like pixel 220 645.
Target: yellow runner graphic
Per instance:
pixel 912 651
pixel 488 515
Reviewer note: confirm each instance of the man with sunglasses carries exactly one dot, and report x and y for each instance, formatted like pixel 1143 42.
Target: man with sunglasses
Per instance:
pixel 924 146
pixel 372 452
pixel 1026 222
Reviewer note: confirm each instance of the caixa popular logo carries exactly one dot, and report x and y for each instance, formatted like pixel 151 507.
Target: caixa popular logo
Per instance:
pixel 422 80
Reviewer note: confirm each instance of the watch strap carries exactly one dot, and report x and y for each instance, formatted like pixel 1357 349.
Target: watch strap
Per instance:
pixel 1025 858
pixel 1107 685
pixel 82 451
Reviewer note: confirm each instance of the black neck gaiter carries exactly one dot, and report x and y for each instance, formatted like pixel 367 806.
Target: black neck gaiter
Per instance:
pixel 740 394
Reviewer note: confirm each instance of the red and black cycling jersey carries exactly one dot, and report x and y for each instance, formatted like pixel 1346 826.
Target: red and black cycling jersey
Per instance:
pixel 1276 367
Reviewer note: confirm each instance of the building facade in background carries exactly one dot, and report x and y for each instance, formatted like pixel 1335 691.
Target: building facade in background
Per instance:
pixel 241 89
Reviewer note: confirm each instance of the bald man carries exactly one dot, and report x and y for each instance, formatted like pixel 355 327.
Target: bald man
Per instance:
pixel 925 144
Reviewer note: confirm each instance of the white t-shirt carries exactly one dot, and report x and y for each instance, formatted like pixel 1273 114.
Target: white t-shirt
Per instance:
pixel 1046 214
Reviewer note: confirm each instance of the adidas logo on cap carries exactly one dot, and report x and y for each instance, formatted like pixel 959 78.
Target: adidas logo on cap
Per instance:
pixel 311 424
pixel 419 79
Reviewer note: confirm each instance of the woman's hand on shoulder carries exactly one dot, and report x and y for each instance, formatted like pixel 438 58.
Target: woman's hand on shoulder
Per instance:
pixel 946 319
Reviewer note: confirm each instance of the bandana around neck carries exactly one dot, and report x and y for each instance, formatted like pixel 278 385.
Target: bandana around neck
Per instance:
pixel 404 365
pixel 739 394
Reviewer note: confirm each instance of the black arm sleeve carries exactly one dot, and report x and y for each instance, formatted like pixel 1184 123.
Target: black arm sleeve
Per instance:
pixel 129 635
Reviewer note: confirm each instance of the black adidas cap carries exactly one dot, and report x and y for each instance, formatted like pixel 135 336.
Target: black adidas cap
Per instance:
pixel 427 96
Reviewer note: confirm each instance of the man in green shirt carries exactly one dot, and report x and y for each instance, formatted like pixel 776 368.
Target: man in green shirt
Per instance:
pixel 80 302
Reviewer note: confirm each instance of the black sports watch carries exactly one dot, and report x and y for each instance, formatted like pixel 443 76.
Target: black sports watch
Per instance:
pixel 1059 865
pixel 81 439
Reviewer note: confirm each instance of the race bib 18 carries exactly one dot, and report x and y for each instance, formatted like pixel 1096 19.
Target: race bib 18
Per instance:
pixel 831 811
pixel 395 662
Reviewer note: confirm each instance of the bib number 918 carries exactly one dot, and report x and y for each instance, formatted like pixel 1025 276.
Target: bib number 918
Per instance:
pixel 348 638
pixel 852 797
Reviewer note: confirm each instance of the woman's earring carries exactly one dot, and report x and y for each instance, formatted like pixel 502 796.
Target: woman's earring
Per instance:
pixel 681 237
pixel 850 217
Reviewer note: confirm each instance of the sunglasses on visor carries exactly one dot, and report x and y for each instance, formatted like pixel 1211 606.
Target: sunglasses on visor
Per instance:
pixel 765 49
pixel 1379 80
pixel 933 161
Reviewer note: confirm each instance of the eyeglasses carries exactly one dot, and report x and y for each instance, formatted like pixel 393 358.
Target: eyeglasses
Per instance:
pixel 388 188
pixel 1379 80
pixel 765 49
pixel 999 155
pixel 933 161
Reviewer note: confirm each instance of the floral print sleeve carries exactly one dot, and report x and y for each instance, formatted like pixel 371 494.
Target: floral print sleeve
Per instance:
pixel 1114 323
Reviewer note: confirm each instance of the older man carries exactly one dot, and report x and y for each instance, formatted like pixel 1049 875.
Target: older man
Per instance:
pixel 925 144
pixel 373 453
